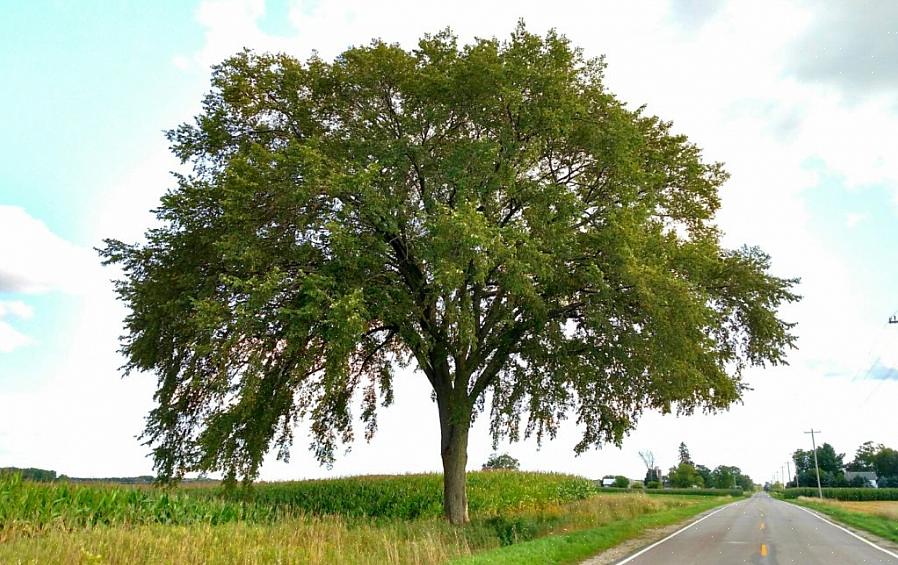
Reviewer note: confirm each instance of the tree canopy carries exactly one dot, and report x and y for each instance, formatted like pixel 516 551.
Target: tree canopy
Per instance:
pixel 489 213
pixel 684 454
pixel 685 475
pixel 865 457
pixel 504 462
pixel 830 463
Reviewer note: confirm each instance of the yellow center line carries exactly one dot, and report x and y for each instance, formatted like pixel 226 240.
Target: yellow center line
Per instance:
pixel 763 526
pixel 763 550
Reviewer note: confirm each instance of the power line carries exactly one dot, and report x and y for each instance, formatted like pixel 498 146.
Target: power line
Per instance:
pixel 893 319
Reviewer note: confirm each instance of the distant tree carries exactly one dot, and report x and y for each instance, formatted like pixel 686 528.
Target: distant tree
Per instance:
pixel 504 461
pixel 724 476
pixel 684 454
pixel 886 462
pixel 621 481
pixel 803 460
pixel 684 475
pixel 864 457
pixel 829 460
pixel 31 474
pixel 490 212
pixel 831 467
pixel 705 474
pixel 744 482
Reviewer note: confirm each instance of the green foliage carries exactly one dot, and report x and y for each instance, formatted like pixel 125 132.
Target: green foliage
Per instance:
pixel 489 211
pixel 41 505
pixel 698 491
pixel 504 461
pixel 337 539
pixel 888 482
pixel 395 497
pixel 684 454
pixel 653 485
pixel 864 457
pixel 621 481
pixel 885 462
pixel 514 529
pixel 684 475
pixel 845 493
pixel 30 474
pixel 414 496
pixel 706 475
pixel 830 463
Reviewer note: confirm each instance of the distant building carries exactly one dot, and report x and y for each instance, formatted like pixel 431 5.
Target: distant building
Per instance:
pixel 868 476
pixel 608 482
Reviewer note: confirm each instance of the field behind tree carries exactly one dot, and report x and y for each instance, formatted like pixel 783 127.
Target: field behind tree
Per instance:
pixel 391 519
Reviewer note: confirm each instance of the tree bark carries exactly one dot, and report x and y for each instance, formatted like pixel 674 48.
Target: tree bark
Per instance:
pixel 455 422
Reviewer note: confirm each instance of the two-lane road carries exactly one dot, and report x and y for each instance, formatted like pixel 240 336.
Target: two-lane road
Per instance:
pixel 765 531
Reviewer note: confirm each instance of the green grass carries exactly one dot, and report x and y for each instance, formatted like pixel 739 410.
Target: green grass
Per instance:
pixel 882 526
pixel 395 519
pixel 844 493
pixel 576 546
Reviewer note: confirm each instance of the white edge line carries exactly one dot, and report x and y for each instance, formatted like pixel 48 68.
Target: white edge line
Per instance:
pixel 846 530
pixel 676 533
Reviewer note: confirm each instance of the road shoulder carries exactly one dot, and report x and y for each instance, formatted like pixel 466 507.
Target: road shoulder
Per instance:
pixel 867 535
pixel 633 545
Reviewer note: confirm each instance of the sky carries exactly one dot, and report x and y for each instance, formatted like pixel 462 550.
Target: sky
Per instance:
pixel 798 99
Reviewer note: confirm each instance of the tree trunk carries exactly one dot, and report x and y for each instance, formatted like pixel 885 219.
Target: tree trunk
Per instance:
pixel 455 422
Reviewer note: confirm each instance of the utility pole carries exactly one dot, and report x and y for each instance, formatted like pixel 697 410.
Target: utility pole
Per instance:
pixel 816 466
pixel 789 470
pixel 783 469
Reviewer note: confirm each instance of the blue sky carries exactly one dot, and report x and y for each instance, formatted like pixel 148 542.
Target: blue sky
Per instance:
pixel 89 87
pixel 69 126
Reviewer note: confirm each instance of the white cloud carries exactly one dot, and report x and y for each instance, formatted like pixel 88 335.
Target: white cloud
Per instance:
pixel 15 308
pixel 35 260
pixel 181 62
pixel 852 219
pixel 80 418
pixel 10 338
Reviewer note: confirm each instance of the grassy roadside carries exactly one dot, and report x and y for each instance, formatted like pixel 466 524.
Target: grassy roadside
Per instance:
pixel 389 519
pixel 881 526
pixel 339 539
pixel 576 546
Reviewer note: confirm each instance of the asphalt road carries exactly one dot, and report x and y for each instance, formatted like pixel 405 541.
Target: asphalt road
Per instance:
pixel 765 531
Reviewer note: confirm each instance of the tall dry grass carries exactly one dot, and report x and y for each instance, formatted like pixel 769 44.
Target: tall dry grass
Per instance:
pixel 881 508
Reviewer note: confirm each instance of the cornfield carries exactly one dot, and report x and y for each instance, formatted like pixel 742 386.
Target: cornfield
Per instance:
pixel 31 507
pixel 414 496
pixel 845 493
